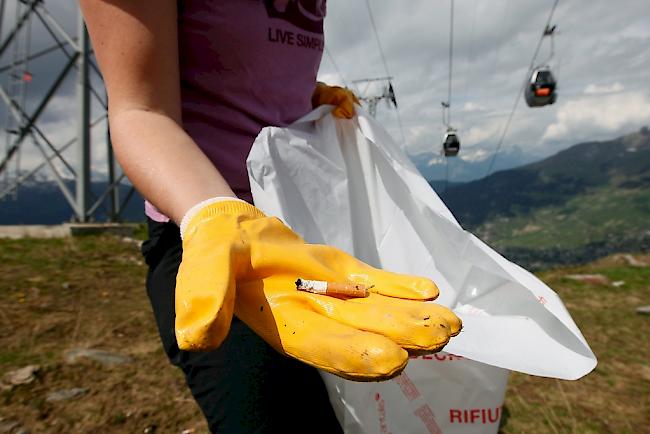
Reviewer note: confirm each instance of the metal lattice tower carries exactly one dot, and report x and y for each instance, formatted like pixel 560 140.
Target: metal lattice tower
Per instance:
pixel 24 113
pixel 386 92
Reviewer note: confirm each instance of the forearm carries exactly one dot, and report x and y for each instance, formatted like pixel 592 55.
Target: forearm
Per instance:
pixel 163 162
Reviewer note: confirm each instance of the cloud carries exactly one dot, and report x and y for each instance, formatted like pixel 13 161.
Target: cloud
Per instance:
pixel 471 106
pixel 594 89
pixel 488 132
pixel 476 154
pixel 435 160
pixel 586 117
pixel 601 47
pixel 601 61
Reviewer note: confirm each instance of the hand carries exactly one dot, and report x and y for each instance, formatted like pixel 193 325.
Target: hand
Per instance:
pixel 341 97
pixel 237 259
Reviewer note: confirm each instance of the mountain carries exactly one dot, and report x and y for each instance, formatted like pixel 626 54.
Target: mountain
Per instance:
pixel 441 187
pixel 582 203
pixel 41 202
pixel 464 168
pixel 586 201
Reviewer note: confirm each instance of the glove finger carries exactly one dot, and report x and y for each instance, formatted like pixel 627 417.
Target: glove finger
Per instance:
pixel 350 269
pixel 321 262
pixel 395 285
pixel 344 108
pixel 349 95
pixel 205 295
pixel 414 326
pixel 295 330
pixel 455 323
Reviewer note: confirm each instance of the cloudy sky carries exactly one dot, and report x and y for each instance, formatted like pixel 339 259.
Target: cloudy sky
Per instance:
pixel 602 61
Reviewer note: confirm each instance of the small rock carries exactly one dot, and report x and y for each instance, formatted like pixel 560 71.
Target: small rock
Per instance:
pixel 133 241
pixel 8 425
pixel 21 376
pixel 618 283
pixel 643 310
pixel 150 429
pixel 188 431
pixel 595 279
pixel 35 279
pixel 104 357
pixel 66 394
pixel 632 261
pixel 65 285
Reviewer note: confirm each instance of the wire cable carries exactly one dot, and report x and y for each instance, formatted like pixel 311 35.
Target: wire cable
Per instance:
pixel 521 91
pixel 448 105
pixel 386 70
pixel 374 29
pixel 451 55
pixel 470 57
pixel 336 67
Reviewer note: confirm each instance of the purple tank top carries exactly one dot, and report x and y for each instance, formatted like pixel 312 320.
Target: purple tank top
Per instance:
pixel 245 64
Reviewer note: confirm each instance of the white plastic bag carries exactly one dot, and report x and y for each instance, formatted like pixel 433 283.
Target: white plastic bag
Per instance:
pixel 346 183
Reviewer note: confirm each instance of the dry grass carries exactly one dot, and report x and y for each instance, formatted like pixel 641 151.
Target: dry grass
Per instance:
pixel 615 398
pixel 89 292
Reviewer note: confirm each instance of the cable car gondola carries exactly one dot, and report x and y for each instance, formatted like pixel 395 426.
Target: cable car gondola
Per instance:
pixel 540 90
pixel 451 143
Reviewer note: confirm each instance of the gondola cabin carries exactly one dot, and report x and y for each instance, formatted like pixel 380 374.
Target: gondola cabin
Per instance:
pixel 451 144
pixel 540 90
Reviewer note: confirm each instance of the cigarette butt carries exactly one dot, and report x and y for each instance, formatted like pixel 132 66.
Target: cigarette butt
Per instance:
pixel 334 289
pixel 348 290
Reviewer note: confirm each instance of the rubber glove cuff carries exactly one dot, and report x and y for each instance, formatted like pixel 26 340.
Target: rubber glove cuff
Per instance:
pixel 232 205
pixel 214 254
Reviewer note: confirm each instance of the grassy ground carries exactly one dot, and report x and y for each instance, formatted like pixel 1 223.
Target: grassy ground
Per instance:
pixel 615 398
pixel 60 294
pixel 56 295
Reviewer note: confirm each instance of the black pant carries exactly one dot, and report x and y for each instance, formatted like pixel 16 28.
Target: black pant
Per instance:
pixel 244 386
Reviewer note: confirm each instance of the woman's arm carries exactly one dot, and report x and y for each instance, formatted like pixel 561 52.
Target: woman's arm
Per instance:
pixel 136 46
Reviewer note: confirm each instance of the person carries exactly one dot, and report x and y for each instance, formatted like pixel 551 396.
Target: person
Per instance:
pixel 190 85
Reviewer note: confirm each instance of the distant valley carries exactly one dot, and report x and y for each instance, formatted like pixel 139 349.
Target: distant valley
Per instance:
pixel 582 203
pixel 579 204
pixel 461 169
pixel 41 202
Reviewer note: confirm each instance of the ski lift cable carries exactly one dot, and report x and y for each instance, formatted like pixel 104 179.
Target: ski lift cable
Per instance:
pixel 451 55
pixel 386 70
pixel 521 91
pixel 374 29
pixel 447 107
pixel 336 67
pixel 550 32
pixel 470 57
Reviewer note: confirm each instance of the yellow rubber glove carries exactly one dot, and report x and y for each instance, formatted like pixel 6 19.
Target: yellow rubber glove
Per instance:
pixel 342 98
pixel 236 258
